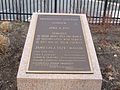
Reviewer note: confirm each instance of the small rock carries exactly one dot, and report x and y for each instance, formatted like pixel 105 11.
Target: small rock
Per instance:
pixel 111 78
pixel 115 55
pixel 99 48
pixel 118 83
pixel 11 85
pixel 110 73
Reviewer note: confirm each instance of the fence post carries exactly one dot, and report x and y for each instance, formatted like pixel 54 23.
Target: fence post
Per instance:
pixel 104 12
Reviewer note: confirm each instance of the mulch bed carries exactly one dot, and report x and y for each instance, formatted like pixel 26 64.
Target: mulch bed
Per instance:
pixel 107 45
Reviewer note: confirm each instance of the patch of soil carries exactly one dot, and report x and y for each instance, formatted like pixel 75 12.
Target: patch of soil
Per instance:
pixel 9 62
pixel 107 45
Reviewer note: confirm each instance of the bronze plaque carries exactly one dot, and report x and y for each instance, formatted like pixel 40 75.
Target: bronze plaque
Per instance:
pixel 59 46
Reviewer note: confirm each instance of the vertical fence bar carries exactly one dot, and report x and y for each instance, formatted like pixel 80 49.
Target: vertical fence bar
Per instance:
pixel 59 5
pixel 108 12
pixel 30 7
pixel 91 9
pixel 13 9
pixel 37 5
pixel 40 5
pixel 33 5
pixel 51 5
pixel 87 6
pixel 44 5
pixel 115 12
pixel 104 14
pixel 70 7
pixel 23 11
pixel 73 6
pixel 0 11
pixel 77 7
pixel 66 6
pixel 0 15
pixel 16 10
pixel 112 10
pixel 80 5
pixel 84 6
pixel 20 8
pixel 48 5
pixel 97 12
pixel 63 6
pixel 9 9
pixel 118 18
pixel 55 6
pixel 5 3
pixel 27 9
pixel 94 11
pixel 100 17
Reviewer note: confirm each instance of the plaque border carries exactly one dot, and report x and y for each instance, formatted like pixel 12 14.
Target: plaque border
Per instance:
pixel 35 15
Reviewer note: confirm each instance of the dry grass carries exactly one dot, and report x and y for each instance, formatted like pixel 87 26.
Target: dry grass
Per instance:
pixel 4 44
pixel 5 26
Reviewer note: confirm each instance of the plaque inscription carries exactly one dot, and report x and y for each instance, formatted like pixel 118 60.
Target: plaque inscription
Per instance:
pixel 59 46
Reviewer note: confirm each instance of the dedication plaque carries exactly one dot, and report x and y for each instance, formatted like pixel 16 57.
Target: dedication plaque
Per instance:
pixel 59 46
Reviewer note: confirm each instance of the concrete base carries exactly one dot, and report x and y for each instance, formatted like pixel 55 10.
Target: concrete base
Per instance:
pixel 26 81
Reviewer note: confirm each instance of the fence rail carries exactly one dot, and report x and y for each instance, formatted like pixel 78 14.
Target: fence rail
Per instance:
pixel 97 11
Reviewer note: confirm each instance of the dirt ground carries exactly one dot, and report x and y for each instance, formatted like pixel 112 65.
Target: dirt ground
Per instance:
pixel 107 45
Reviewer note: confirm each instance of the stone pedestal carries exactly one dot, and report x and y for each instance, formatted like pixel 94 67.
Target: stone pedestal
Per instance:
pixel 31 81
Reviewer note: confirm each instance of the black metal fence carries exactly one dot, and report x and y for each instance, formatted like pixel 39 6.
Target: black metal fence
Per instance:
pixel 97 11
